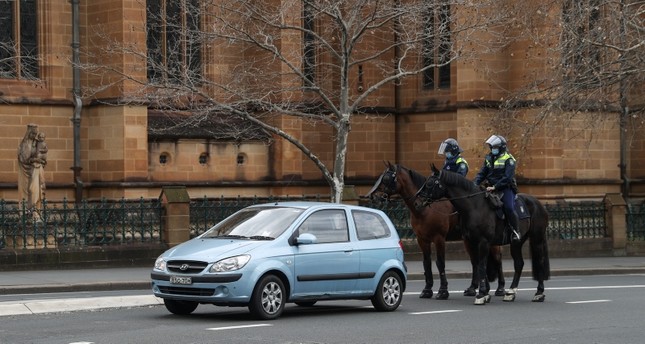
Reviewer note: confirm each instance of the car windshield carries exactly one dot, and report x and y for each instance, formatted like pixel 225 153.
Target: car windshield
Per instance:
pixel 255 223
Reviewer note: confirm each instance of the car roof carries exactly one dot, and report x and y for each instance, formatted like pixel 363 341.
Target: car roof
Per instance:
pixel 308 205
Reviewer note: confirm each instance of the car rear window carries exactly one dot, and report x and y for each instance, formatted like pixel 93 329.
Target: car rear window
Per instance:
pixel 370 225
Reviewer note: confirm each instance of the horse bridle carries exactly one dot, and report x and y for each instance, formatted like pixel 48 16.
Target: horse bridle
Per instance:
pixel 388 180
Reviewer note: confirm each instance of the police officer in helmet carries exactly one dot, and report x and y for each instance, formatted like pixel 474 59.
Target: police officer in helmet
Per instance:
pixel 454 162
pixel 499 170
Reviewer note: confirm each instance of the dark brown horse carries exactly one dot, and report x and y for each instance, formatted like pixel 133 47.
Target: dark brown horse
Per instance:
pixel 432 224
pixel 483 227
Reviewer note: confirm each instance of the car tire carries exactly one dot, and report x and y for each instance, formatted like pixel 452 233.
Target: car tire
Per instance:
pixel 180 307
pixel 389 292
pixel 305 303
pixel 268 299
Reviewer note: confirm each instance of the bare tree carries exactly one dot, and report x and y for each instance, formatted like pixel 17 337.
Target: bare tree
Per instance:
pixel 317 61
pixel 595 52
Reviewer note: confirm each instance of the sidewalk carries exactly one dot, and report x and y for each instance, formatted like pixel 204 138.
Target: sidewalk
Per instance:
pixel 28 282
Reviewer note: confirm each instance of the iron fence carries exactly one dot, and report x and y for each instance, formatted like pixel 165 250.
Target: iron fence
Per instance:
pixel 576 220
pixel 567 220
pixel 103 222
pixel 206 212
pixel 111 222
pixel 636 222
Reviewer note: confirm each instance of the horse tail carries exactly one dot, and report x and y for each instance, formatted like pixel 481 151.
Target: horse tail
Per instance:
pixel 540 264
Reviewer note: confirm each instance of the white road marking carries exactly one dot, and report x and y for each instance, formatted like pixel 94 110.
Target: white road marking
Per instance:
pixel 436 312
pixel 236 327
pixel 597 287
pixel 588 301
pixel 82 343
pixel 70 305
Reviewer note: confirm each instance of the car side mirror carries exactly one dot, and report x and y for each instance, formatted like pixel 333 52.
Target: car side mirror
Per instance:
pixel 306 239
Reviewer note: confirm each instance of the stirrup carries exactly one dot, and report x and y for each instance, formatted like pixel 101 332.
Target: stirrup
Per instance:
pixel 515 236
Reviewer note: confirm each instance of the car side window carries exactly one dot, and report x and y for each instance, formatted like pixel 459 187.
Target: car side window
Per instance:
pixel 327 226
pixel 370 225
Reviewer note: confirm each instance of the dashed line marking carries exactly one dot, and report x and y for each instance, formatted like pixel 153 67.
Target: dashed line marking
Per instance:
pixel 236 327
pixel 436 312
pixel 587 301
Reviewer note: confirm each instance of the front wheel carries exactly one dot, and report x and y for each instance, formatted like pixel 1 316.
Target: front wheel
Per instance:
pixel 389 292
pixel 267 301
pixel 180 307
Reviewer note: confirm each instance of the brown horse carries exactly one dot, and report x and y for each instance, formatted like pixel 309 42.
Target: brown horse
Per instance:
pixel 432 224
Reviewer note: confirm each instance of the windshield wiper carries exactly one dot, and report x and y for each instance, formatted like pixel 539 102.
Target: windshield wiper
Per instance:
pixel 231 236
pixel 261 237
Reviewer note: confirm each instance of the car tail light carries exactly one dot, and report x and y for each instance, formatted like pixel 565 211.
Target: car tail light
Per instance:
pixel 401 244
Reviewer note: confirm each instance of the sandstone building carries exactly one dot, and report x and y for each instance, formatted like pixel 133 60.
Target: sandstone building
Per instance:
pixel 101 145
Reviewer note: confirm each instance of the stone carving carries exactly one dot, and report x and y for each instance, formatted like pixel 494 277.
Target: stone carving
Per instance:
pixel 32 158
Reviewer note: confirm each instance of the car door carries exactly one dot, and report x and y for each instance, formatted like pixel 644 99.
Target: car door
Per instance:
pixel 330 266
pixel 374 245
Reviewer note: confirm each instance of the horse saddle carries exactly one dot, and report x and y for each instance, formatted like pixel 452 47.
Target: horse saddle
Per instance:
pixel 495 200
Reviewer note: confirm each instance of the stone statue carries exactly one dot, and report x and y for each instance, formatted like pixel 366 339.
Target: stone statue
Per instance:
pixel 32 158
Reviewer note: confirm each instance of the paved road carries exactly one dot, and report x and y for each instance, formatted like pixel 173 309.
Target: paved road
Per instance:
pixel 138 278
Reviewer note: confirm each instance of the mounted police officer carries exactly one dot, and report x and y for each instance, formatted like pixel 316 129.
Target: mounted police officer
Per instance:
pixel 499 170
pixel 454 162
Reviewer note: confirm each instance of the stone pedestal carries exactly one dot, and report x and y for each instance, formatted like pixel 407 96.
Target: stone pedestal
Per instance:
pixel 176 217
pixel 616 221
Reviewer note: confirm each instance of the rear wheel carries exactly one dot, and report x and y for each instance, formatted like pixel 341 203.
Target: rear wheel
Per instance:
pixel 267 301
pixel 180 307
pixel 389 292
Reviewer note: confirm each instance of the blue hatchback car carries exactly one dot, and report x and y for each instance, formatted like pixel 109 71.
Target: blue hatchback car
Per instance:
pixel 267 255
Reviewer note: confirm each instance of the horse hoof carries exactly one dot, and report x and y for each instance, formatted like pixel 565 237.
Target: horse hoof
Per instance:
pixel 481 300
pixel 538 298
pixel 500 292
pixel 442 295
pixel 426 294
pixel 510 295
pixel 470 292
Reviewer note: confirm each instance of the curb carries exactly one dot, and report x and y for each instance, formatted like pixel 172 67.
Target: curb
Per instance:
pixel 142 285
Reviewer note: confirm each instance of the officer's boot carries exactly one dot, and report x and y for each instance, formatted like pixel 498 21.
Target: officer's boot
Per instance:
pixel 513 221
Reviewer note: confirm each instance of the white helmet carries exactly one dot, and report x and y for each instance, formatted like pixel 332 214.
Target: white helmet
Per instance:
pixel 497 141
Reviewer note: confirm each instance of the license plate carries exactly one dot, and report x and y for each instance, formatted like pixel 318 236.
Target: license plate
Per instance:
pixel 180 280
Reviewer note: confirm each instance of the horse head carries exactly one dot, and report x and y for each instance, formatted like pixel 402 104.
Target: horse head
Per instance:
pixel 385 185
pixel 433 188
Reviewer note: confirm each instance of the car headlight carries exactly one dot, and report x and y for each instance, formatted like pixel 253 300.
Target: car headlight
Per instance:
pixel 160 264
pixel 230 264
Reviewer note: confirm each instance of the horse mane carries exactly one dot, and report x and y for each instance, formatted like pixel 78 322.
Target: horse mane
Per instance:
pixel 456 179
pixel 417 178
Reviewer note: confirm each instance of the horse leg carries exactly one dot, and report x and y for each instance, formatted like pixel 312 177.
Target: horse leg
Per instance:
pixel 426 293
pixel 440 246
pixel 484 287
pixel 472 289
pixel 518 266
pixel 539 295
pixel 496 255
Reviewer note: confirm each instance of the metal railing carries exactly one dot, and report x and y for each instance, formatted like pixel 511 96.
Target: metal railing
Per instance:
pixel 103 222
pixel 576 220
pixel 206 212
pixel 112 222
pixel 567 220
pixel 636 222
